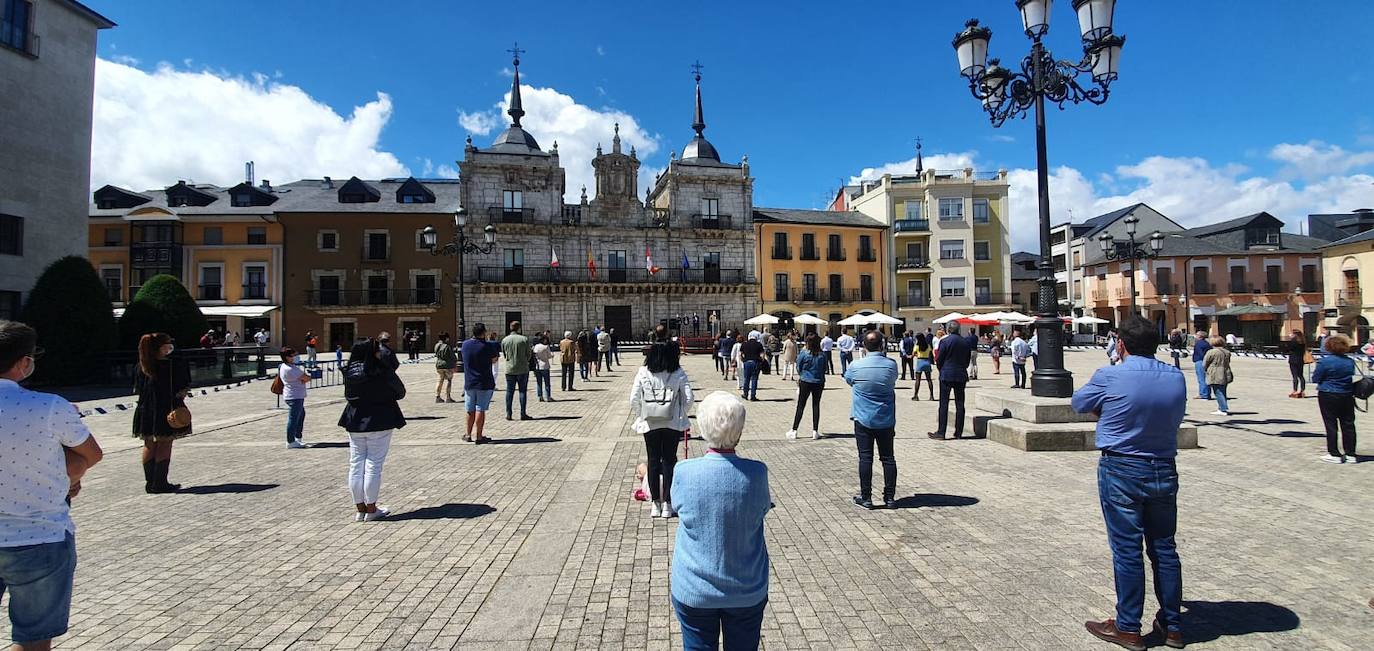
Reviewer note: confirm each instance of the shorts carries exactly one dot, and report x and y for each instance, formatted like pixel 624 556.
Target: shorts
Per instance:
pixel 477 399
pixel 445 373
pixel 39 581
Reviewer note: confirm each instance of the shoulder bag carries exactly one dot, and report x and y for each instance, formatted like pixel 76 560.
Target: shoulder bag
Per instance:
pixel 179 417
pixel 656 403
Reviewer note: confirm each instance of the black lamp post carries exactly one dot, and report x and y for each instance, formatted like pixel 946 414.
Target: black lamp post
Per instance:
pixel 460 245
pixel 1006 94
pixel 1133 251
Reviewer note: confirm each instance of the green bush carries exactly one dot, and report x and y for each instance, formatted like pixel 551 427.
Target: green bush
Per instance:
pixel 70 309
pixel 162 305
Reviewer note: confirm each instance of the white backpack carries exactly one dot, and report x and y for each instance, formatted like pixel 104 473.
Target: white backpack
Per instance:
pixel 657 402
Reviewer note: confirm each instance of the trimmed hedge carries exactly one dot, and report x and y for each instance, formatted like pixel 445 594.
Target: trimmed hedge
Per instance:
pixel 70 308
pixel 162 305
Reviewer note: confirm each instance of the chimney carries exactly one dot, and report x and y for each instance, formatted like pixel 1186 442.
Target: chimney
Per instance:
pixel 266 185
pixel 328 183
pixel 248 172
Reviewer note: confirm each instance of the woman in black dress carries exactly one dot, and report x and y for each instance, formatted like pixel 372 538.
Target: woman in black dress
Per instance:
pixel 1297 360
pixel 161 384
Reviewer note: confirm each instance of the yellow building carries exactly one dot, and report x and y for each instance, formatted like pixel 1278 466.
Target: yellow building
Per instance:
pixel 829 264
pixel 1349 303
pixel 948 235
pixel 223 244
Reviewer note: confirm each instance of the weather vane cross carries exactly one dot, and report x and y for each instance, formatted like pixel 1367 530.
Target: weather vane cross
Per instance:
pixel 696 70
pixel 516 52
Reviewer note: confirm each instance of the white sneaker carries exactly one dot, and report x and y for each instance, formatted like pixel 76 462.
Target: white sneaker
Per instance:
pixel 360 517
pixel 1351 459
pixel 302 443
pixel 381 512
pixel 1330 459
pixel 656 511
pixel 668 511
pixel 815 435
pixel 1219 413
pixel 294 445
pixel 791 435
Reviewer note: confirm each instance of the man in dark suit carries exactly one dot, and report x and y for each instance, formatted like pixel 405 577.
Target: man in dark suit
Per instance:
pixel 952 359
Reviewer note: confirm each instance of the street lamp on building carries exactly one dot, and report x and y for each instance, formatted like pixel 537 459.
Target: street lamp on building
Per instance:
pixel 1006 94
pixel 1133 250
pixel 461 245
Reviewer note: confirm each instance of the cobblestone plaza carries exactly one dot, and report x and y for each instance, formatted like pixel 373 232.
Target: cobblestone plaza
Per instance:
pixel 535 542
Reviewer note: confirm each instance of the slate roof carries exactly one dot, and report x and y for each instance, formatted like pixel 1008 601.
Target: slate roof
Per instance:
pixel 1353 239
pixel 307 195
pixel 1187 243
pixel 1023 266
pixel 1232 224
pixel 820 217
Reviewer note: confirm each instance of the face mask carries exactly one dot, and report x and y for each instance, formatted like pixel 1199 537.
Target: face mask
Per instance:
pixel 33 365
pixel 296 359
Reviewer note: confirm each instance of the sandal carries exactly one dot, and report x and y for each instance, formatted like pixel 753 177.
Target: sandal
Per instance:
pixel 467 438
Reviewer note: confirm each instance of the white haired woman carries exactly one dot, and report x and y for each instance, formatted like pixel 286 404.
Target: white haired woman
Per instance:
pixel 720 561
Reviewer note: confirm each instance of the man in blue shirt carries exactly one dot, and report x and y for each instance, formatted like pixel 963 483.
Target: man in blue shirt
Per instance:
pixel 1139 404
pixel 874 412
pixel 1200 348
pixel 478 381
pixel 908 352
pixel 952 358
pixel 846 344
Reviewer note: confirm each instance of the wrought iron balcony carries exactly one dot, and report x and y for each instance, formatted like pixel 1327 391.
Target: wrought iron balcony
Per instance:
pixel 711 222
pixel 868 255
pixel 1166 289
pixel 824 295
pixel 614 275
pixel 370 297
pixel 782 252
pixel 911 226
pixel 254 291
pixel 991 298
pixel 810 253
pixel 912 263
pixel 1204 288
pixel 211 293
pixel 913 300
pixel 1350 296
pixel 836 255
pixel 504 215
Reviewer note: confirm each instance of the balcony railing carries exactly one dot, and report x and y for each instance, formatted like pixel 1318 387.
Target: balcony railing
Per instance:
pixel 810 253
pixel 583 275
pixel 868 255
pixel 504 215
pixel 824 295
pixel 836 255
pixel 782 252
pixel 991 298
pixel 911 225
pixel 913 300
pixel 712 222
pixel 1348 296
pixel 661 218
pixel 1204 288
pixel 572 214
pixel 1166 289
pixel 1314 288
pixel 255 291
pixel 367 297
pixel 913 263
pixel 1099 294
pixel 1241 287
pixel 211 293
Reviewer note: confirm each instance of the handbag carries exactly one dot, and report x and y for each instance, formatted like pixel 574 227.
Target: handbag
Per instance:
pixel 277 387
pixel 179 417
pixel 1307 357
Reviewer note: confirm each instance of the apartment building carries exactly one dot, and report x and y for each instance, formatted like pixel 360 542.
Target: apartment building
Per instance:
pixel 223 244
pixel 947 234
pixel 1243 276
pixel 825 263
pixel 1070 245
pixel 47 85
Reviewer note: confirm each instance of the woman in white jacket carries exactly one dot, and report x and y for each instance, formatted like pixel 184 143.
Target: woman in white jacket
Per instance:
pixel 660 398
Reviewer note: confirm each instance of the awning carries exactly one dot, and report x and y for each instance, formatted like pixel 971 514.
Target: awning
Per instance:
pixel 245 311
pixel 1240 310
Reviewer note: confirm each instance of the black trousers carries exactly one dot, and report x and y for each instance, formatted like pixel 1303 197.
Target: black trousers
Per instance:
pixel 661 445
pixel 609 357
pixel 865 438
pixel 1338 409
pixel 958 389
pixel 569 372
pixel 908 364
pixel 720 363
pixel 830 362
pixel 813 391
pixel 1300 382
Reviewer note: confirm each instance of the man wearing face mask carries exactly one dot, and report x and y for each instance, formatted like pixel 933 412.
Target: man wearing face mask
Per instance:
pixel 44 451
pixel 295 380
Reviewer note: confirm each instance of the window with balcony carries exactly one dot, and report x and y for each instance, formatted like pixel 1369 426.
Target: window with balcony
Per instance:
pixel 11 235
pixel 615 266
pixel 1164 282
pixel 982 291
pixel 1309 278
pixel 114 237
pixel 212 235
pixel 951 210
pixel 710 208
pixel 836 287
pixel 16 26
pixel 808 247
pixel 952 287
pixel 255 282
pixel 113 277
pixel 780 249
pixel 808 287
pixel 1238 280
pixel 780 287
pixel 912 210
pixel 211 283
pixel 833 248
pixel 513 261
pixel 710 267
pixel 1273 279
pixel 980 211
pixel 257 234
pixel 378 289
pixel 982 251
pixel 328 291
pixel 1202 281
pixel 951 249
pixel 426 289
pixel 915 294
pixel 512 202
pixel 866 252
pixel 865 287
pixel 378 246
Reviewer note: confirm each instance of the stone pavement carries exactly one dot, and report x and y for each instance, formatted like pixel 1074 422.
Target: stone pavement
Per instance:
pixel 535 542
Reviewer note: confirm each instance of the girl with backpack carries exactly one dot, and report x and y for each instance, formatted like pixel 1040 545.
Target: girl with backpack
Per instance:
pixel 660 397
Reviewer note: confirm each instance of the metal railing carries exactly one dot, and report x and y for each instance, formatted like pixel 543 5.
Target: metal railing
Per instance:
pixel 572 214
pixel 503 215
pixel 911 225
pixel 810 253
pixel 868 255
pixel 991 298
pixel 211 293
pixel 255 291
pixel 836 254
pixel 824 295
pixel 712 222
pixel 616 275
pixel 1204 288
pixel 913 300
pixel 366 297
pixel 1166 289
pixel 1348 296
pixel 781 253
pixel 912 263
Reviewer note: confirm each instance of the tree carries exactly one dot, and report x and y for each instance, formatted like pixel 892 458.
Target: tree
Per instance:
pixel 70 308
pixel 162 305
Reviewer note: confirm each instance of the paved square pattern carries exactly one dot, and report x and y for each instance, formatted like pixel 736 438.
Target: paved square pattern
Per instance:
pixel 535 542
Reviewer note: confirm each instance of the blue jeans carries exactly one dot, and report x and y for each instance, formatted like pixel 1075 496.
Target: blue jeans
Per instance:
pixel 1203 391
pixel 845 360
pixel 295 419
pixel 1219 390
pixel 1139 498
pixel 543 386
pixel 514 382
pixel 39 580
pixel 1018 374
pixel 750 386
pixel 702 627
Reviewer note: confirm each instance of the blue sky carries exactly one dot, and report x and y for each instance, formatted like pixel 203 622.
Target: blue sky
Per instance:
pixel 813 95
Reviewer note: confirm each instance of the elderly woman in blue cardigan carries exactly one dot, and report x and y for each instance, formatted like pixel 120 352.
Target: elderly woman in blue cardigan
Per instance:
pixel 720 562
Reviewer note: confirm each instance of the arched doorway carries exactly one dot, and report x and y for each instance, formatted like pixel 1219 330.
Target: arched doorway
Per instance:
pixel 1354 325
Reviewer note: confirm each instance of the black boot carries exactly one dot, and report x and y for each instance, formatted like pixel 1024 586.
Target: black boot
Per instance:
pixel 149 477
pixel 163 467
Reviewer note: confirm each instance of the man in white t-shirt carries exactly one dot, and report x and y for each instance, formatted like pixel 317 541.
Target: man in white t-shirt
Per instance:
pixel 828 345
pixel 44 451
pixel 846 346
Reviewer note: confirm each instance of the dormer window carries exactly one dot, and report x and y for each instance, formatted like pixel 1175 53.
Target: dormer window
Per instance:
pixel 356 191
pixel 1262 236
pixel 413 191
pixel 242 199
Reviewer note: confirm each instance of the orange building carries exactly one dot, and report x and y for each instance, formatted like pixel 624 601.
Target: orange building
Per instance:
pixel 829 264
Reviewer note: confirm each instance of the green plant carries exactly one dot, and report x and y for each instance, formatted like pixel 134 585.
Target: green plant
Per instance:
pixel 162 305
pixel 70 308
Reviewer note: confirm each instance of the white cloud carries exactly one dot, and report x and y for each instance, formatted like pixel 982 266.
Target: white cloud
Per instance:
pixel 441 171
pixel 1190 190
pixel 152 128
pixel 952 161
pixel 552 116
pixel 479 123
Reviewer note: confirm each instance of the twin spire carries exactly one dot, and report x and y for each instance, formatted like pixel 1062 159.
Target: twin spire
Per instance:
pixel 516 110
pixel 699 124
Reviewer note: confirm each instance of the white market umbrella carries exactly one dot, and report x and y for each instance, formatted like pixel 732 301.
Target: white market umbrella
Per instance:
pixel 1089 320
pixel 1014 317
pixel 856 320
pixel 762 319
pixel 807 319
pixel 883 319
pixel 952 316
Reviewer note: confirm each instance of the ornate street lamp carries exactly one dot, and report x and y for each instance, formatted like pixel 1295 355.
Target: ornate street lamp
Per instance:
pixel 461 244
pixel 1006 94
pixel 1133 251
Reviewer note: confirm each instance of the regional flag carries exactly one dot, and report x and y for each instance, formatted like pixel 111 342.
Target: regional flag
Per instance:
pixel 591 264
pixel 553 257
pixel 649 262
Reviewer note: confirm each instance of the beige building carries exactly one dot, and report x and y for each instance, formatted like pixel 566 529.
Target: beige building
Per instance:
pixel 1350 304
pixel 47 83
pixel 948 238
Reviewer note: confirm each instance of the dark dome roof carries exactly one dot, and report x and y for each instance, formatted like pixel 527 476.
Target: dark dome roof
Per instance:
pixel 699 148
pixel 515 140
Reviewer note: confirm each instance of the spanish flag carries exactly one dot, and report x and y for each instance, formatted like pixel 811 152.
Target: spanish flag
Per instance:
pixel 591 264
